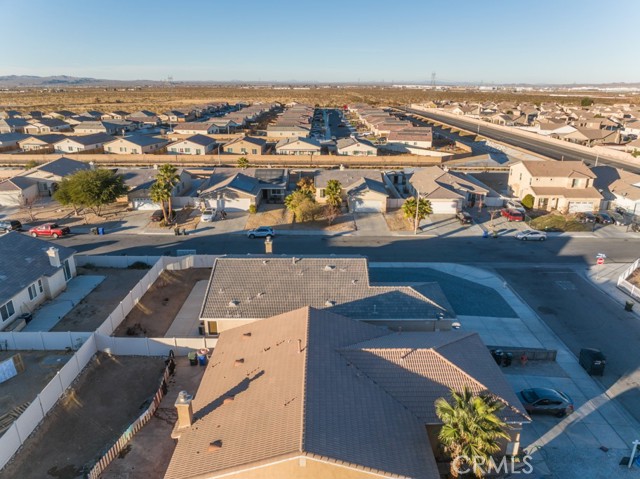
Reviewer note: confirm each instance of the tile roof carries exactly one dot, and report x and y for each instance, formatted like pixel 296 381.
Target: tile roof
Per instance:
pixel 264 286
pixel 201 140
pixel 63 166
pixel 141 140
pixel 23 260
pixel 295 395
pixel 436 183
pixel 579 193
pixel 90 139
pixel 17 183
pixel 553 168
pixel 346 177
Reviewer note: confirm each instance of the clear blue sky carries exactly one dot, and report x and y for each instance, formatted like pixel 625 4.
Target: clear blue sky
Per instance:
pixel 533 41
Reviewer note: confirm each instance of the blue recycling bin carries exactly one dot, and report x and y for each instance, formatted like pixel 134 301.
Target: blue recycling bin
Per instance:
pixel 202 356
pixel 100 230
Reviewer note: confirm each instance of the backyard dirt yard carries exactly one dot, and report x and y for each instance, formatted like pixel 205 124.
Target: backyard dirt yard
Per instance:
pixel 396 221
pixel 108 396
pixel 269 215
pixel 52 211
pixel 157 309
pixel 186 218
pixel 281 219
pixel 98 305
pixel 635 278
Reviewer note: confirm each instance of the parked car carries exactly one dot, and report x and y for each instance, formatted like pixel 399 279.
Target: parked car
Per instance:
pixel 157 215
pixel 10 225
pixel 586 217
pixel 208 215
pixel 531 235
pixel 516 205
pixel 544 400
pixel 464 218
pixel 621 210
pixel 49 229
pixel 512 215
pixel 603 218
pixel 261 232
pixel 618 219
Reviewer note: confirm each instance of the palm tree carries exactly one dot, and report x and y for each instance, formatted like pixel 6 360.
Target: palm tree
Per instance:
pixel 409 211
pixel 160 195
pixel 333 193
pixel 471 430
pixel 242 163
pixel 167 178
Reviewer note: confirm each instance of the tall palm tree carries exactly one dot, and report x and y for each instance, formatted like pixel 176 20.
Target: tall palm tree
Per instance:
pixel 160 195
pixel 333 193
pixel 471 430
pixel 409 211
pixel 168 178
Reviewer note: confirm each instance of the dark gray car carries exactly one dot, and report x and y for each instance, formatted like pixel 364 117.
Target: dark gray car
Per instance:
pixel 544 400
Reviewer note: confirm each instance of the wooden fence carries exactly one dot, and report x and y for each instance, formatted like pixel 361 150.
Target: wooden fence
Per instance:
pixel 95 471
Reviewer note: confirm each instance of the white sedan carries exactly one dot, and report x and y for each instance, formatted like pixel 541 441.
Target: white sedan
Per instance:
pixel 531 235
pixel 208 215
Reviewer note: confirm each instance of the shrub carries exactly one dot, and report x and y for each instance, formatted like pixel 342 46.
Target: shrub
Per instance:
pixel 139 265
pixel 586 101
pixel 527 202
pixel 252 209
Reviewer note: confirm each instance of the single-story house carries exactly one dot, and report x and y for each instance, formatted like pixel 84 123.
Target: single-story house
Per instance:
pixel 48 175
pixel 410 140
pixel 287 131
pixel 46 125
pixel 246 145
pixel 140 180
pixel 298 146
pixel 591 137
pixel 18 191
pixel 355 147
pixel 274 285
pixel 232 190
pixel 13 125
pixel 194 145
pixel 8 140
pixel 33 271
pixel 74 144
pixel 113 127
pixel 311 393
pixel 135 144
pixel 196 128
pixel 363 191
pixel 565 186
pixel 38 142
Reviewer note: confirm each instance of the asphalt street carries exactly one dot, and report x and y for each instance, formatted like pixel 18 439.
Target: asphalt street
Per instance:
pixel 469 250
pixel 557 152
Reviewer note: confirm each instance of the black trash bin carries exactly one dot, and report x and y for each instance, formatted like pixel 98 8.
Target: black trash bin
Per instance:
pixel 498 356
pixel 593 361
pixel 507 359
pixel 628 306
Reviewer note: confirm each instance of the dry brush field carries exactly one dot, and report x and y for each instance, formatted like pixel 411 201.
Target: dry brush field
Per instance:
pixel 180 96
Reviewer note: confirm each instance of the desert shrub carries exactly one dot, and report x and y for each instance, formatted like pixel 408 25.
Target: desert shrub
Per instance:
pixel 253 209
pixel 139 265
pixel 527 202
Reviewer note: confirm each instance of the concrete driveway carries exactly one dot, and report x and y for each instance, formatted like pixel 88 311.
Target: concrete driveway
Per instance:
pixel 371 224
pixel 448 225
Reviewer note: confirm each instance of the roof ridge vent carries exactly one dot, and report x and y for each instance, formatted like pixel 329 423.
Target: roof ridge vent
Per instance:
pixel 329 302
pixel 234 303
pixel 329 267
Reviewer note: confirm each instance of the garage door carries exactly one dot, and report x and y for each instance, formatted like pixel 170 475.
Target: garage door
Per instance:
pixel 579 206
pixel 145 204
pixel 444 207
pixel 367 206
pixel 235 204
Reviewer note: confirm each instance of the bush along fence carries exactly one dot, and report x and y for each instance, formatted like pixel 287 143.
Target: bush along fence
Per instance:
pixel 101 464
pixel 624 285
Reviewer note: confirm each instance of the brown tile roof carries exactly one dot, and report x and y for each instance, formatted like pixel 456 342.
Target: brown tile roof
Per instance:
pixel 436 183
pixel 315 384
pixel 563 169
pixel 264 286
pixel 573 193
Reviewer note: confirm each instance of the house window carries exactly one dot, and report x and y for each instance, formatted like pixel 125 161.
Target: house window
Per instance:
pixel 40 286
pixel 254 151
pixel 6 310
pixel 198 151
pixel 575 183
pixel 67 270
pixel 134 150
pixel 322 193
pixel 188 150
pixel 108 148
pixel 33 292
pixel 121 149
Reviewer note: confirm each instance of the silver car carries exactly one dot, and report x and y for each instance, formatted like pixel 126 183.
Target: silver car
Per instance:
pixel 531 235
pixel 261 232
pixel 208 215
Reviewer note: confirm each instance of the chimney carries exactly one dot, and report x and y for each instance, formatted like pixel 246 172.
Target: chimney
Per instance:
pixel 54 257
pixel 185 410
pixel 268 246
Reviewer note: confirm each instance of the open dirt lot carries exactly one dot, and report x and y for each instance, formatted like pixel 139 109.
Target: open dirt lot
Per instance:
pixel 93 414
pixel 157 309
pixel 396 221
pixel 40 367
pixel 98 305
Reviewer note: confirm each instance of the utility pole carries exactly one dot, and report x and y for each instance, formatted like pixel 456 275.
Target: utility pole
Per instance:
pixel 415 224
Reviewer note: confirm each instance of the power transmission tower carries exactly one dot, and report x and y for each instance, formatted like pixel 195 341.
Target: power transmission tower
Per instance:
pixel 433 79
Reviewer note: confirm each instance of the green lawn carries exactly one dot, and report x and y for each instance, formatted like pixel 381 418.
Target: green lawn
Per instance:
pixel 561 222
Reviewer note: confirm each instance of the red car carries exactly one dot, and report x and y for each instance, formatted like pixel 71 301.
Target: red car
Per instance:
pixel 49 229
pixel 512 215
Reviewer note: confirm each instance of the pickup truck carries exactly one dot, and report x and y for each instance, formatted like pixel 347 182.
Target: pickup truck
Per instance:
pixel 49 229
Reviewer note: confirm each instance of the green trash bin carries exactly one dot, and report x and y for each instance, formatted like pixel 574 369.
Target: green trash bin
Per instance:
pixel 628 306
pixel 193 361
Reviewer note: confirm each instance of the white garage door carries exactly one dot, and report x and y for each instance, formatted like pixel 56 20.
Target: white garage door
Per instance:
pixel 235 204
pixel 579 206
pixel 145 204
pixel 444 207
pixel 367 206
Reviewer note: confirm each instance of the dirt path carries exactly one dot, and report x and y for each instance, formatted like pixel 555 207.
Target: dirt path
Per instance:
pixel 98 305
pixel 157 309
pixel 94 413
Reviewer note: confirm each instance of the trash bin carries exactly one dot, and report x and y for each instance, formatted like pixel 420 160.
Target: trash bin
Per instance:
pixel 593 361
pixel 101 230
pixel 192 358
pixel 628 306
pixel 202 356
pixel 507 359
pixel 498 356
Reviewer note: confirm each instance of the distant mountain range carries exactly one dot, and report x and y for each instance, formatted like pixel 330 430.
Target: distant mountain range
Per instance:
pixel 30 81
